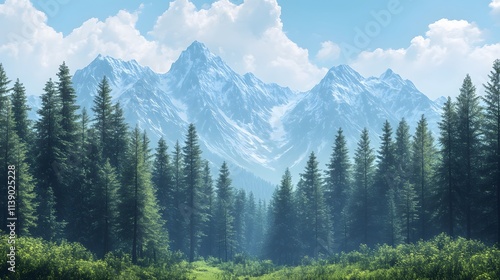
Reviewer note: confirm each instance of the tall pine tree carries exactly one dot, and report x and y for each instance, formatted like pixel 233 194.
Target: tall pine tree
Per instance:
pixel 162 180
pixel 361 199
pixel 192 170
pixel 176 224
pixel 68 139
pixel 224 214
pixel 492 139
pixel 337 188
pixel 447 171
pixel 208 242
pixel 316 230
pixel 239 221
pixel 15 155
pixel 469 119
pixel 423 160
pixel 4 104
pixel 386 189
pixel 282 236
pixel 406 196
pixel 48 137
pixel 140 223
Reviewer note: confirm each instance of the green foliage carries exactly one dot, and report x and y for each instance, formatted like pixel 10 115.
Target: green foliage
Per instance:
pixel 440 258
pixel 39 259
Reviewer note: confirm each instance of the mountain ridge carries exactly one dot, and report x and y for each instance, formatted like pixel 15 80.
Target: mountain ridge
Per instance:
pixel 257 127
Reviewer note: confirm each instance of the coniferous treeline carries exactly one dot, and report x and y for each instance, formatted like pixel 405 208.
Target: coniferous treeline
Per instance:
pixel 90 178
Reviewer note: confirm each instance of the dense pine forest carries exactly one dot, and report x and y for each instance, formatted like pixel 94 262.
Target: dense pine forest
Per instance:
pixel 95 200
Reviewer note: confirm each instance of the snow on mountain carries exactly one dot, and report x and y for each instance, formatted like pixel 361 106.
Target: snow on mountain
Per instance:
pixel 258 128
pixel 345 99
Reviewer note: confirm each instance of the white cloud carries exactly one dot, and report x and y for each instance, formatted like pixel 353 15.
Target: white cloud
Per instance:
pixel 32 50
pixel 329 52
pixel 495 6
pixel 249 37
pixel 437 62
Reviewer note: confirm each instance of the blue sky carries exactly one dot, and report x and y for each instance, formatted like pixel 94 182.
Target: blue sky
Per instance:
pixel 292 43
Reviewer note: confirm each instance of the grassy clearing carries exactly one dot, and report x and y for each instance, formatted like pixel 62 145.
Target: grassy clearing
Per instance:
pixel 439 258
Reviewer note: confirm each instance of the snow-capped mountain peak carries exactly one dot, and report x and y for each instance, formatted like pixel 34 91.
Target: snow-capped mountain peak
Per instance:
pixel 259 127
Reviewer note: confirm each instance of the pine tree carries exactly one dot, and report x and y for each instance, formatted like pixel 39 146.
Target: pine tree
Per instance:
pixel 68 165
pixel 48 147
pixel 408 203
pixel 282 236
pixel 4 90
pixel 385 180
pixel 403 152
pixel 260 227
pixel 469 119
pixel 406 197
pixel 25 197
pixel 316 233
pixel 103 118
pixel 208 242
pixel 423 159
pixel 192 171
pixel 48 227
pixel 176 225
pixel 69 108
pixel 224 214
pixel 337 187
pixel 4 98
pixel 106 209
pixel 239 221
pixel 79 212
pixel 492 139
pixel 20 112
pixel 140 223
pixel 119 138
pixel 360 209
pixel 447 172
pixel 250 221
pixel 162 180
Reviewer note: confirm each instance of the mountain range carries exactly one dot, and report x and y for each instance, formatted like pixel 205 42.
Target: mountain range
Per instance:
pixel 258 128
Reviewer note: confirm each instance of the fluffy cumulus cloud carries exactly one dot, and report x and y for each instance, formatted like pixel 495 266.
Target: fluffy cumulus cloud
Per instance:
pixel 249 37
pixel 437 62
pixel 495 6
pixel 328 52
pixel 32 50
